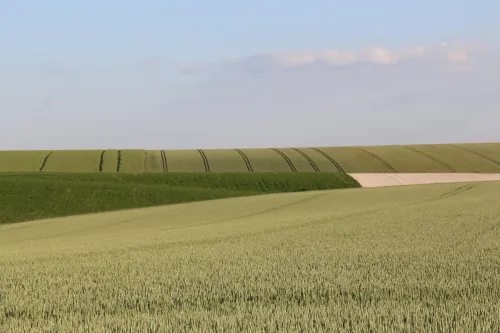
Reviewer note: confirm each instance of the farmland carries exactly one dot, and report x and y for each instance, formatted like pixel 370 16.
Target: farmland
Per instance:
pixel 420 258
pixel 28 196
pixel 442 158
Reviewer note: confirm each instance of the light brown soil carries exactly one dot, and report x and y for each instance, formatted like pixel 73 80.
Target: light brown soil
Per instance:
pixel 398 179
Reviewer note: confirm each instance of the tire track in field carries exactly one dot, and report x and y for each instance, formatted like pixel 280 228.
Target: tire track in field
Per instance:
pixel 478 154
pixel 449 194
pixel 164 160
pixel 101 160
pixel 339 168
pixel 205 160
pixel 380 159
pixel 287 160
pixel 44 162
pixel 311 162
pixel 118 161
pixel 431 158
pixel 258 213
pixel 145 162
pixel 246 160
pixel 396 180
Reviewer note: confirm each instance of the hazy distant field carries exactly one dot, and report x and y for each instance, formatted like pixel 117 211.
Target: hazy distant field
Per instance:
pixel 403 259
pixel 443 158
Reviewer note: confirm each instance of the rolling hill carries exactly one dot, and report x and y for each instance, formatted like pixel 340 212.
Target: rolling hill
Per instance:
pixel 440 158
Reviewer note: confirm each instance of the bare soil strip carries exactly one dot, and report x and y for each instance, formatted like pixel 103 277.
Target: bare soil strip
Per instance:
pixel 399 179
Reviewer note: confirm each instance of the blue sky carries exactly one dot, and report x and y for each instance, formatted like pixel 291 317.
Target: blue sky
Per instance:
pixel 193 74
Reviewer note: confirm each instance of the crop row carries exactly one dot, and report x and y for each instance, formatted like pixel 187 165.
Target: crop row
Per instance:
pixel 447 158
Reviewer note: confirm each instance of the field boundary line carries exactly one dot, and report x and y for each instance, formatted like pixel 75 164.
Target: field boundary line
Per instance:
pixel 478 154
pixel 380 159
pixel 101 160
pixel 431 158
pixel 118 161
pixel 309 159
pixel 205 160
pixel 287 160
pixel 246 160
pixel 328 157
pixel 164 160
pixel 45 161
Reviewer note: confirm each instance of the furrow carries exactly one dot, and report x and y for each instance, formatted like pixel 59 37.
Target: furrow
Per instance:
pixel 329 158
pixel 205 160
pixel 287 160
pixel 45 161
pixel 311 162
pixel 101 161
pixel 118 161
pixel 431 158
pixel 246 160
pixel 478 154
pixel 388 166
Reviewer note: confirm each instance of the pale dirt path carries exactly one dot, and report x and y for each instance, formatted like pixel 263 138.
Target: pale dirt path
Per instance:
pixel 398 179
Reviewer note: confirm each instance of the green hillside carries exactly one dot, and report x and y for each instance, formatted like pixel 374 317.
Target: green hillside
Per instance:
pixel 481 157
pixel 402 259
pixel 41 195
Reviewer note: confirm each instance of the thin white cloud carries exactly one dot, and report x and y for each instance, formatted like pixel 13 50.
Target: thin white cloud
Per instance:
pixel 451 54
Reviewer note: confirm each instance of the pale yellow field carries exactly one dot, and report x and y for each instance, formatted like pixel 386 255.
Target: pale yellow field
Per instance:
pixel 422 258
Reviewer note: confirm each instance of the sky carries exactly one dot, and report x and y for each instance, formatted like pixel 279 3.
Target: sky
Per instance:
pixel 241 74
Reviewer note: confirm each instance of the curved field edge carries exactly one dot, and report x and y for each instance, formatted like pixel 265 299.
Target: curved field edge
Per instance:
pixel 33 196
pixel 405 260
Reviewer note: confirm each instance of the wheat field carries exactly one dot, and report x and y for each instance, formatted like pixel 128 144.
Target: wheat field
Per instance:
pixel 418 258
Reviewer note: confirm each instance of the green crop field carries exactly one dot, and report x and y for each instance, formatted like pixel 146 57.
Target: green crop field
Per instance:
pixel 41 195
pixel 225 160
pixel 130 160
pixel 185 161
pixel 403 259
pixel 73 161
pixel 453 157
pixel 22 160
pixel 153 161
pixel 442 158
pixel 109 160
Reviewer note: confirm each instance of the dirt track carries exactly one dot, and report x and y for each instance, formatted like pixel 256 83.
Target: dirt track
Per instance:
pixel 397 179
